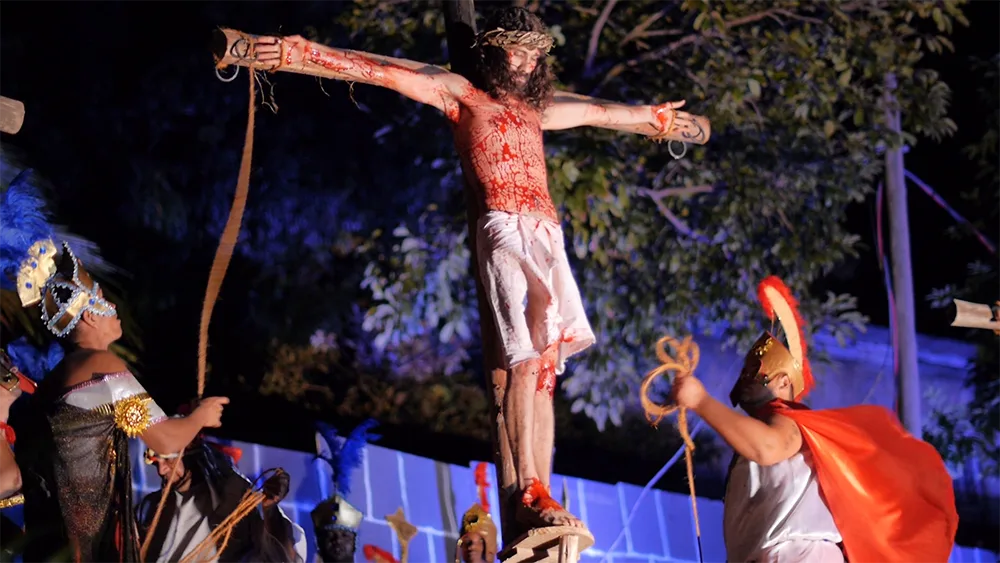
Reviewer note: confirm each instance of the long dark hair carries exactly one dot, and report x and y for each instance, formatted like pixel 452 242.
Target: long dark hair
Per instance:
pixel 492 73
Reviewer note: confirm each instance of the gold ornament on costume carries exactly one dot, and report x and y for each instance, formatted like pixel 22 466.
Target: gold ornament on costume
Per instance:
pixel 12 501
pixel 132 415
pixel 502 38
pixel 768 357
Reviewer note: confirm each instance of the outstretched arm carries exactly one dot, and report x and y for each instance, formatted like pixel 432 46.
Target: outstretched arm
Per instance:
pixel 764 443
pixel 570 110
pixel 662 121
pixel 427 84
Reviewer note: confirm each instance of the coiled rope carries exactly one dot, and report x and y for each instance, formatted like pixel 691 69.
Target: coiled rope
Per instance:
pixel 683 365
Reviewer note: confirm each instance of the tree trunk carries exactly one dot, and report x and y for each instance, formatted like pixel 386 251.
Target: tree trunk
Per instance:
pixel 460 22
pixel 11 115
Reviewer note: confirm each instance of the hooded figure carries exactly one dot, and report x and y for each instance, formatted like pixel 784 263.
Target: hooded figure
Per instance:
pixel 208 488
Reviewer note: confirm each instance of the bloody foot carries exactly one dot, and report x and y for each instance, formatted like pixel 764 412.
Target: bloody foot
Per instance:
pixel 538 509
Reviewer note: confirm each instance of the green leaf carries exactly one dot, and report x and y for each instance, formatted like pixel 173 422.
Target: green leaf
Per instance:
pixel 829 128
pixel 754 87
pixel 845 78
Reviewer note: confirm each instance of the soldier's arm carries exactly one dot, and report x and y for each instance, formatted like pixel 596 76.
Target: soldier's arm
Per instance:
pixel 569 110
pixel 764 443
pixel 424 83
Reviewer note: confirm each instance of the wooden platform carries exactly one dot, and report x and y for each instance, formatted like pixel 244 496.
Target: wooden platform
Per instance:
pixel 557 544
pixel 11 115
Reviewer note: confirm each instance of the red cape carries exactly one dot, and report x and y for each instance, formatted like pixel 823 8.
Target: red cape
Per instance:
pixel 890 493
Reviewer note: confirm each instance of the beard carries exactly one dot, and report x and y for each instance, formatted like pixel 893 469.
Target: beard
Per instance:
pixel 496 78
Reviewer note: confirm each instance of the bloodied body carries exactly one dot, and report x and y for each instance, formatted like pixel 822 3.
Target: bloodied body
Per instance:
pixel 497 117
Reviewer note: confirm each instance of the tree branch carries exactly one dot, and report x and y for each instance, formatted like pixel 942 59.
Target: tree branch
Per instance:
pixel 678 191
pixel 640 30
pixel 795 16
pixel 674 45
pixel 595 36
pixel 674 220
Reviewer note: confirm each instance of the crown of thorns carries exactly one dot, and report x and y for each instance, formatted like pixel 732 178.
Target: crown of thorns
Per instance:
pixel 502 38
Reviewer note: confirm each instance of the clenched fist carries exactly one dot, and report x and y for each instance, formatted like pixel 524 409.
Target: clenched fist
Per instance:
pixel 209 411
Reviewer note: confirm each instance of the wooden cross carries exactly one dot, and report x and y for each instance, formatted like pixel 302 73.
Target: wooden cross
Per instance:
pixel 460 27
pixel 11 115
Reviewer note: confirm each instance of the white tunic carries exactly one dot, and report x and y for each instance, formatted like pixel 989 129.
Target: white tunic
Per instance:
pixel 768 506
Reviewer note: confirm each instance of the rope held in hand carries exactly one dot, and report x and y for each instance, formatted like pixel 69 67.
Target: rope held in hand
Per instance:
pixel 210 547
pixel 223 255
pixel 688 355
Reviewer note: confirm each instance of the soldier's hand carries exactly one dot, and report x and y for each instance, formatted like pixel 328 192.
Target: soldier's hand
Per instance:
pixel 688 392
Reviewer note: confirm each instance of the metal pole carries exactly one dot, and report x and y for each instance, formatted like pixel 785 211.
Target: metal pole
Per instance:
pixel 908 387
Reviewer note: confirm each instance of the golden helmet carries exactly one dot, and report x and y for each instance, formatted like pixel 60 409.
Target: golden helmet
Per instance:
pixel 477 521
pixel 768 356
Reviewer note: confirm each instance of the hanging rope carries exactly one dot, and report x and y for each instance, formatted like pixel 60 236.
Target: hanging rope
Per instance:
pixel 687 358
pixel 231 233
pixel 223 255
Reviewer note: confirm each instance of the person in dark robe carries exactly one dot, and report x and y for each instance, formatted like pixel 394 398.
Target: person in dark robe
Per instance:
pixel 207 488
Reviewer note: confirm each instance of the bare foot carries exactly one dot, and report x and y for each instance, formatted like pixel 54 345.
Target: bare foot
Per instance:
pixel 539 510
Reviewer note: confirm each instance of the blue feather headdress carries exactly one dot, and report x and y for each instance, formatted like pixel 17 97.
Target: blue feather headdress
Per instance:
pixel 24 220
pixel 32 265
pixel 346 454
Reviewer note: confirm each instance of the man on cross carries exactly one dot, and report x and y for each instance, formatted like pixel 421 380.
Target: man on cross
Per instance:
pixel 498 118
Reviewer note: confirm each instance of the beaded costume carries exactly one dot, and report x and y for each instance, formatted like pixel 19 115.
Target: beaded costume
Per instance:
pixel 75 462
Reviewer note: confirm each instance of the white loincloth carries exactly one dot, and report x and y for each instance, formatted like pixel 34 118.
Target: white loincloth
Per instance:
pixel 536 302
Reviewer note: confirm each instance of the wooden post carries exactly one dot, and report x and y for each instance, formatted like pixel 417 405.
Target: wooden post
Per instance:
pixel 460 26
pixel 975 315
pixel 908 387
pixel 11 115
